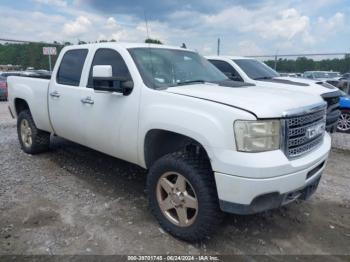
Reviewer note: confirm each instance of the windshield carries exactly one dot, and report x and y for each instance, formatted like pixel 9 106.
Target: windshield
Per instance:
pixel 160 67
pixel 333 74
pixel 256 70
pixel 321 75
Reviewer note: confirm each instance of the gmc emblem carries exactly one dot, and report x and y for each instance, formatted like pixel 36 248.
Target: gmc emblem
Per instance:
pixel 315 130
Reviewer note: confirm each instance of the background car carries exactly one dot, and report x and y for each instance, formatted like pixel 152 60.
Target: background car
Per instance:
pixel 3 88
pixel 344 119
pixel 3 83
pixel 330 77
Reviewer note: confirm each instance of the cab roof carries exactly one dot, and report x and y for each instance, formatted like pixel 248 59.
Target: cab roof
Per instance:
pixel 228 57
pixel 126 46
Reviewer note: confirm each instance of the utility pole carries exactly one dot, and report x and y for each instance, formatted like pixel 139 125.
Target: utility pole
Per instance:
pixel 50 63
pixel 275 62
pixel 218 50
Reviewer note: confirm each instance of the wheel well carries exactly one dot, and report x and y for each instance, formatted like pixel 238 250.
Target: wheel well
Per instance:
pixel 160 142
pixel 20 105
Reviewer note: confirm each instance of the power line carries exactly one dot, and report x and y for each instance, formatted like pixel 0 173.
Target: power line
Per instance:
pixel 299 55
pixel 24 41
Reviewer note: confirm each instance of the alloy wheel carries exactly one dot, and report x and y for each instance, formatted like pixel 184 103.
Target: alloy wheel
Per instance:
pixel 344 122
pixel 26 133
pixel 177 199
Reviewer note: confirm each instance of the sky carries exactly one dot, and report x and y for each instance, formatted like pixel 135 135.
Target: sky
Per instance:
pixel 251 27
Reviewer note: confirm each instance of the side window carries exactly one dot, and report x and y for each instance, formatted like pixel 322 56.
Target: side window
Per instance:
pixel 105 56
pixel 227 69
pixel 308 75
pixel 71 66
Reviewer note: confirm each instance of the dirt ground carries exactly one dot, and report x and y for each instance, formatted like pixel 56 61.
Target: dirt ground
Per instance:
pixel 73 200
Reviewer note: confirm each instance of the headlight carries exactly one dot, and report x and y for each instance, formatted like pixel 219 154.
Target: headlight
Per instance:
pixel 257 136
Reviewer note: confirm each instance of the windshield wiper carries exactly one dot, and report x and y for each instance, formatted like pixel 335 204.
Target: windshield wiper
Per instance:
pixel 191 82
pixel 263 77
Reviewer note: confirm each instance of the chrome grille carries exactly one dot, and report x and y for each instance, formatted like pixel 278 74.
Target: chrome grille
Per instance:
pixel 300 128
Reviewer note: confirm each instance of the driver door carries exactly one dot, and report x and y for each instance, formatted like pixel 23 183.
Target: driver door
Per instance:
pixel 113 124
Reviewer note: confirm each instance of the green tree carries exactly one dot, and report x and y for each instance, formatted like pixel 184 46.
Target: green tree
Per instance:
pixel 153 41
pixel 26 55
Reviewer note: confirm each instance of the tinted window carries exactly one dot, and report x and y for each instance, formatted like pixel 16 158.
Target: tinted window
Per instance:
pixel 256 70
pixel 227 69
pixel 71 67
pixel 10 74
pixel 110 57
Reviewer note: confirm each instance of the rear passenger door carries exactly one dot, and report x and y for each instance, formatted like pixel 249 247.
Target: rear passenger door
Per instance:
pixel 65 93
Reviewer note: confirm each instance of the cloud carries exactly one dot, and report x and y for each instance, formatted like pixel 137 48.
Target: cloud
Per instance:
pixel 77 28
pixel 335 22
pixel 156 9
pixel 111 23
pixel 288 24
pixel 60 3
pixel 250 28
pixel 247 47
pixel 35 29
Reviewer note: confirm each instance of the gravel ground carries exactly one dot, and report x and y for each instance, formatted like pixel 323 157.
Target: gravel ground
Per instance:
pixel 73 200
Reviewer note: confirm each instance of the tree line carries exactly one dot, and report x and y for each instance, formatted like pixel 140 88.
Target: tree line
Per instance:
pixel 302 64
pixel 31 54
pixel 26 55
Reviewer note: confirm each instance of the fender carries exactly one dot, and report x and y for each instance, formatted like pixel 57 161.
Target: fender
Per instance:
pixel 209 123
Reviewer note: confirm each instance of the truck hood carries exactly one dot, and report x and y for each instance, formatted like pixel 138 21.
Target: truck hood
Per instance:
pixel 269 102
pixel 298 84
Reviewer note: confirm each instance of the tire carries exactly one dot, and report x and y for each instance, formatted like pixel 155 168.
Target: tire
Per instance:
pixel 200 183
pixel 344 121
pixel 31 139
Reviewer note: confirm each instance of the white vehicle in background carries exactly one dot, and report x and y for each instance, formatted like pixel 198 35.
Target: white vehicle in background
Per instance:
pixel 330 77
pixel 250 70
pixel 321 75
pixel 208 143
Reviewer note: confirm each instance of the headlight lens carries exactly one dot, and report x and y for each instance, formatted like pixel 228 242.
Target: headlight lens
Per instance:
pixel 257 136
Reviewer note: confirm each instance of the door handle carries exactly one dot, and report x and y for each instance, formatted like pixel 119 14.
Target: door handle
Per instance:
pixel 87 100
pixel 55 94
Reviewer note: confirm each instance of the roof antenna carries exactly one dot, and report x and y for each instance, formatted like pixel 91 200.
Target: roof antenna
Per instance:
pixel 146 22
pixel 149 43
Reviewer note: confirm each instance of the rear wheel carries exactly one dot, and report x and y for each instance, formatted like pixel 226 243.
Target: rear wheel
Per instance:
pixel 183 197
pixel 344 121
pixel 32 140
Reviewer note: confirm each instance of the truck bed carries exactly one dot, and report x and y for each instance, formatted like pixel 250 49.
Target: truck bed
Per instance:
pixel 35 92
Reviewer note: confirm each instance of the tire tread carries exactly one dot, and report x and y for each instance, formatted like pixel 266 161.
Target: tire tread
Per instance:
pixel 40 139
pixel 211 216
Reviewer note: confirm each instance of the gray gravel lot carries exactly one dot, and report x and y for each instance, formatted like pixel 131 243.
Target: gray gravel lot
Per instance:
pixel 73 200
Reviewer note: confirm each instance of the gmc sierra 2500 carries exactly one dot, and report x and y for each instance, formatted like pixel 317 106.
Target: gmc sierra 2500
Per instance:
pixel 209 143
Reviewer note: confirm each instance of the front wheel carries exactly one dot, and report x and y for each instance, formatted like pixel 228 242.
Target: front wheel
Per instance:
pixel 32 140
pixel 182 195
pixel 344 121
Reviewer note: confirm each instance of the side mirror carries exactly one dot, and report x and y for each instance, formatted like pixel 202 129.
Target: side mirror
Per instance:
pixel 102 71
pixel 103 80
pixel 232 76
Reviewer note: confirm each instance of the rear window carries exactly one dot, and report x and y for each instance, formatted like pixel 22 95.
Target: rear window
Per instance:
pixel 71 67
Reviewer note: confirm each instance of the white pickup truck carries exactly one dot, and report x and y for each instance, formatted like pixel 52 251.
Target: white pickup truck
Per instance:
pixel 250 70
pixel 209 143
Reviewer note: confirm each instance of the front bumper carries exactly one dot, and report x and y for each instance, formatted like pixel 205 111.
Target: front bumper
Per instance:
pixel 259 184
pixel 272 200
